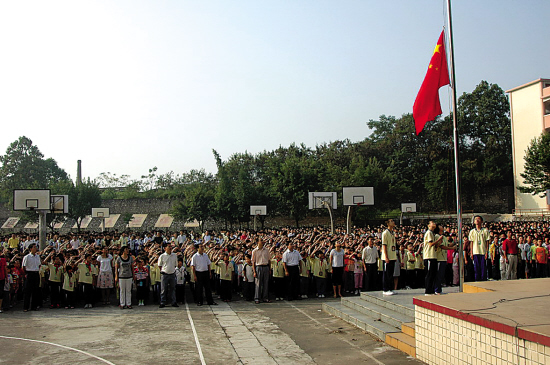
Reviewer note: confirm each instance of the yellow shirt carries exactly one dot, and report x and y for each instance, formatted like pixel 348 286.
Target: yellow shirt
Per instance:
pixel 225 270
pixel 410 256
pixel 277 268
pixel 154 274
pixel 320 268
pixel 388 240
pixel 56 274
pixel 305 267
pixel 419 262
pixel 478 240
pixel 69 282
pixel 13 242
pixel 429 250
pixel 441 253
pixel 85 274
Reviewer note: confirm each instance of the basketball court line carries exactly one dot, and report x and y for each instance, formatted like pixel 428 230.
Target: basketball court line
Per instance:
pixel 195 334
pixel 61 346
pixel 343 339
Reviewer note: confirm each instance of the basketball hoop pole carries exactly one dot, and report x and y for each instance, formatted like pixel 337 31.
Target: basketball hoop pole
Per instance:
pixel 42 229
pixel 347 220
pixel 326 204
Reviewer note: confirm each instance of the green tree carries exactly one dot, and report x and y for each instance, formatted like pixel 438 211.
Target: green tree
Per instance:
pixel 82 198
pixel 24 167
pixel 537 166
pixel 198 202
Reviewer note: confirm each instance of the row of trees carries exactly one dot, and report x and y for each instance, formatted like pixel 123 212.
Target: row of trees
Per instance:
pixel 24 167
pixel 401 166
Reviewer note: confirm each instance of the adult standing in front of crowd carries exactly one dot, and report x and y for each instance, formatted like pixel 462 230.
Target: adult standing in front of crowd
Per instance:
pixel 3 277
pixel 337 263
pixel 291 263
pixel 105 281
pixel 167 263
pixel 510 249
pixel 430 257
pixel 389 257
pixel 370 258
pixel 260 263
pixel 479 239
pixel 200 264
pixel 125 276
pixel 31 268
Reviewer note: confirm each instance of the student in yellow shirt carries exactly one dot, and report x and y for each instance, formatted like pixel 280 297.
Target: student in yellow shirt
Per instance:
pixel 305 270
pixel 225 270
pixel 69 283
pixel 55 278
pixel 86 274
pixel 278 273
pixel 320 268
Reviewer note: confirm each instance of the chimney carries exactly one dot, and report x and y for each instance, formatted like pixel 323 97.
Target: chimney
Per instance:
pixel 79 173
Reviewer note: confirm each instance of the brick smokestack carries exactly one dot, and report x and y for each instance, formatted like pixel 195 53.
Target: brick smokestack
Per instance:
pixel 79 172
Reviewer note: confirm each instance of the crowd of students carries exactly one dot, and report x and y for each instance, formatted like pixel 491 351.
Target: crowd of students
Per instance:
pixel 91 269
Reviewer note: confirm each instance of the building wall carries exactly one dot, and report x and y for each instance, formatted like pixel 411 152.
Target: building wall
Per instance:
pixel 527 123
pixel 442 339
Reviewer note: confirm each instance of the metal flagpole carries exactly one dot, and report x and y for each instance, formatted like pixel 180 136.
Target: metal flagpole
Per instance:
pixel 455 137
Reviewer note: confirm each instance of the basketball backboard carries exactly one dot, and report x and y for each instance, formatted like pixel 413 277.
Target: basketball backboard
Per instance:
pixel 100 212
pixel 408 207
pixel 258 210
pixel 317 199
pixel 26 199
pixel 358 195
pixel 60 204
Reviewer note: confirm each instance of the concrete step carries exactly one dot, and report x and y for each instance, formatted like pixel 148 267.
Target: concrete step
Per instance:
pixel 408 329
pixel 391 302
pixel 382 313
pixel 360 320
pixel 403 342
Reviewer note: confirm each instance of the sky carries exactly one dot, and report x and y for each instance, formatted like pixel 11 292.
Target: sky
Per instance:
pixel 128 85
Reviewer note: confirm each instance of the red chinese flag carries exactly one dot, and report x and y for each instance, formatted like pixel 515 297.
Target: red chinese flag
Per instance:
pixel 427 106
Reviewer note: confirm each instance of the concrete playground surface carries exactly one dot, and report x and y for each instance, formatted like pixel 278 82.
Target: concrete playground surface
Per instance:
pixel 240 332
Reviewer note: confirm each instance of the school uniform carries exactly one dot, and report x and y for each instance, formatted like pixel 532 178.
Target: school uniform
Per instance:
pixel 68 287
pixel 320 268
pixel 248 282
pixel 55 278
pixel 225 271
pixel 180 284
pixel 278 274
pixel 304 276
pixel 85 274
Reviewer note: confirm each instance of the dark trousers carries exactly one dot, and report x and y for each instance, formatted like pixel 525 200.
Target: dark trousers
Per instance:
pixel 55 293
pixel 293 282
pixel 438 285
pixel 225 289
pixel 70 298
pixel 372 275
pixel 430 265
pixel 304 285
pixel 248 290
pixel 279 287
pixel 180 293
pixel 168 288
pixel 541 270
pixel 32 291
pixel 203 283
pixel 321 285
pixel 480 268
pixel 387 279
pixel 141 292
pixel 88 293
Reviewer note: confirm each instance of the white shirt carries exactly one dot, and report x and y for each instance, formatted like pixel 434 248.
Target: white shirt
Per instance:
pixel 180 277
pixel 105 263
pixel 31 262
pixel 337 257
pixel 181 239
pixel 292 258
pixel 370 255
pixel 167 263
pixel 75 244
pixel 200 262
